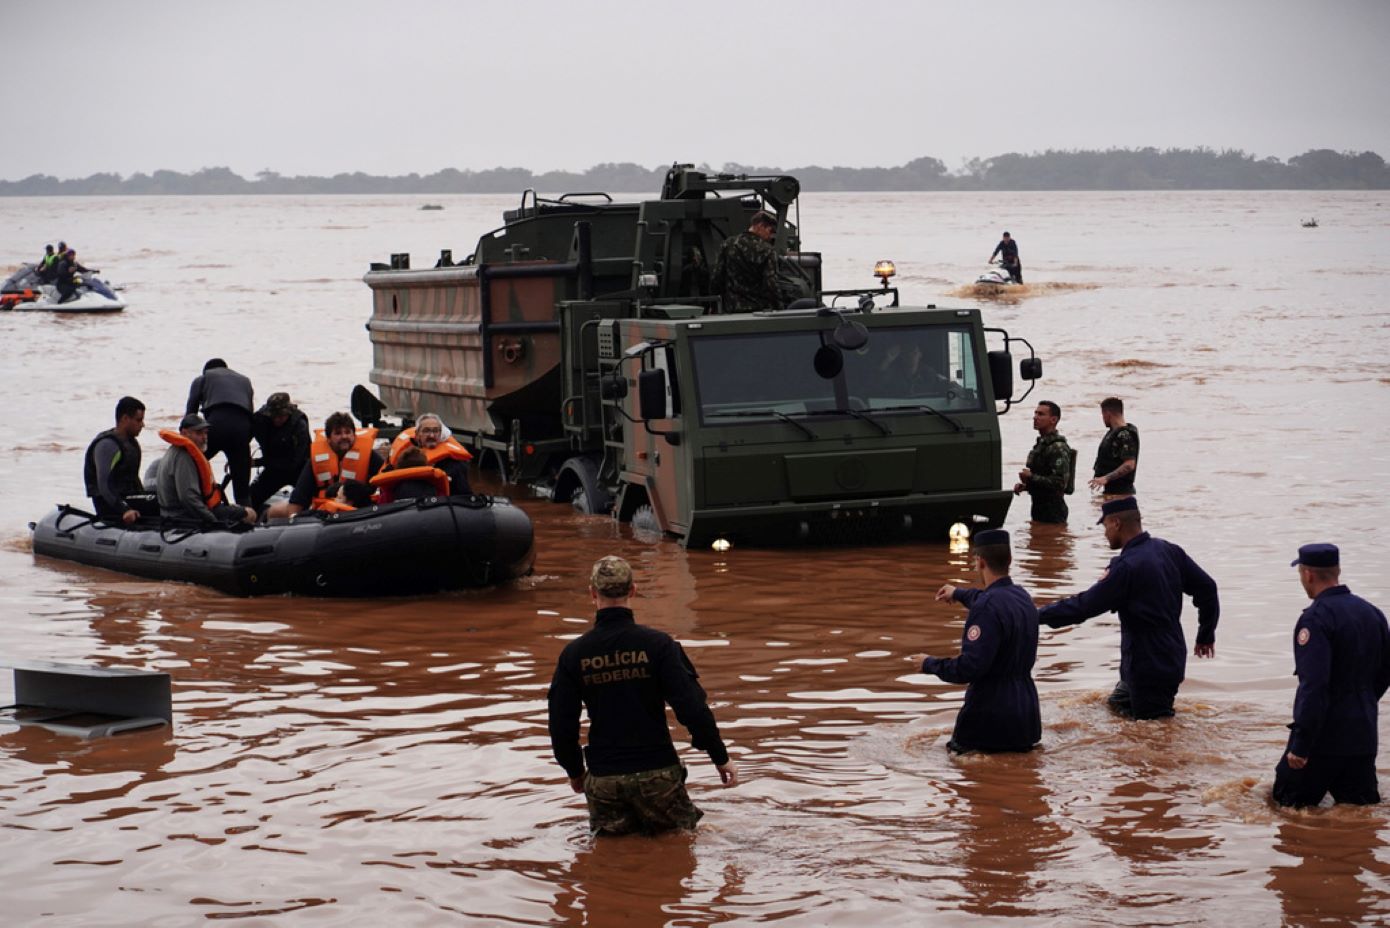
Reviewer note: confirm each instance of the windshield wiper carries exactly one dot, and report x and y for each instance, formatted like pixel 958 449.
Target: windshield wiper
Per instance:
pixel 762 413
pixel 923 407
pixel 882 429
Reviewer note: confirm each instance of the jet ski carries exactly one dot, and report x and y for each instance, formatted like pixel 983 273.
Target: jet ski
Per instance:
pixel 995 277
pixel 23 290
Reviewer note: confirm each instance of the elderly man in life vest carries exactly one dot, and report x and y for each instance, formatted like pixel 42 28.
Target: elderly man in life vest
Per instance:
pixel 184 481
pixel 339 452
pixel 441 451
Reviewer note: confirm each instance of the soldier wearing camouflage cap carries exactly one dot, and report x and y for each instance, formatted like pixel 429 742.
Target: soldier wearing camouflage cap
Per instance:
pixel 282 431
pixel 626 674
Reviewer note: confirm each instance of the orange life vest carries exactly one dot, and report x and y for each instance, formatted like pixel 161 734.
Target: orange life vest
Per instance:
pixel 328 469
pixel 448 448
pixel 387 479
pixel 212 493
pixel 325 504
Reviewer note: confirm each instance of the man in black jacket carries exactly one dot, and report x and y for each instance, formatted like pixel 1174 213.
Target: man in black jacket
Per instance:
pixel 626 674
pixel 1007 252
pixel 226 400
pixel 282 431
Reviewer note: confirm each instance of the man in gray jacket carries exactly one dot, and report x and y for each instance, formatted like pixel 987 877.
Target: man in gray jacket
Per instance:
pixel 184 481
pixel 227 399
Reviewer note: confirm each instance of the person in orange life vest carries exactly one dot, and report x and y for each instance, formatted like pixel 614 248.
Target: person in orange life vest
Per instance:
pixel 442 452
pixel 339 452
pixel 347 495
pixel 418 485
pixel 184 481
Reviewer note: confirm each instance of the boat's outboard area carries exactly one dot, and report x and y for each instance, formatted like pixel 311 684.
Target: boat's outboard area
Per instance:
pixel 407 548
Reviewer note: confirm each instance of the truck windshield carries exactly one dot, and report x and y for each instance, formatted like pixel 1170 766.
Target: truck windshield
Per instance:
pixel 742 378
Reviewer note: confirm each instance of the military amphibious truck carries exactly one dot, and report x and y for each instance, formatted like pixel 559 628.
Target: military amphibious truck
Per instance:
pixel 580 351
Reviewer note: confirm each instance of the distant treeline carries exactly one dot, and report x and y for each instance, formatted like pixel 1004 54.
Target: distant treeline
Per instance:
pixel 1115 169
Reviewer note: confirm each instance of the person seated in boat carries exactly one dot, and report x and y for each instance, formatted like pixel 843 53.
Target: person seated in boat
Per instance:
pixel 184 481
pixel 412 477
pixel 339 452
pixel 282 431
pixel 111 468
pixel 441 451
pixel 347 495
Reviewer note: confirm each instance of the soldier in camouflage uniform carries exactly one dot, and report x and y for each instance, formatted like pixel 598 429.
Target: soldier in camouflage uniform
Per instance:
pixel 1117 459
pixel 1047 477
pixel 626 674
pixel 745 272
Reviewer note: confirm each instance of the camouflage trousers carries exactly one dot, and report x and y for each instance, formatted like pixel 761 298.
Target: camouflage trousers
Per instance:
pixel 647 802
pixel 1049 507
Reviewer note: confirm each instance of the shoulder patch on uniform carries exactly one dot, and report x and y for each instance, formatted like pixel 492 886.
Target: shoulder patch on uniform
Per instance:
pixel 1303 636
pixel 973 633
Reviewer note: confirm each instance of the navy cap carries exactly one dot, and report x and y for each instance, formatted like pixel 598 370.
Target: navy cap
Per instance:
pixel 1123 504
pixel 1317 556
pixel 990 536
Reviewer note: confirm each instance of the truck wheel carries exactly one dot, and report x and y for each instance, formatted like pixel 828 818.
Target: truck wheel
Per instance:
pixel 582 500
pixel 579 477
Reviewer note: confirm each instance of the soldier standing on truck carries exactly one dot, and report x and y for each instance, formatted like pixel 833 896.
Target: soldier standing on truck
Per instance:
pixel 745 272
pixel 1048 476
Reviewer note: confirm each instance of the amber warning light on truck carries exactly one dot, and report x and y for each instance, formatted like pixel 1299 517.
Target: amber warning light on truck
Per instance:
pixel 884 270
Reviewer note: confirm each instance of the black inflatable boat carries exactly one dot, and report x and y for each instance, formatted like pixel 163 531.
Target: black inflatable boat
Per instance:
pixel 406 548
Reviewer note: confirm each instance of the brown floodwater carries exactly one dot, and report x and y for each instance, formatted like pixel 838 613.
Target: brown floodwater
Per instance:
pixel 353 762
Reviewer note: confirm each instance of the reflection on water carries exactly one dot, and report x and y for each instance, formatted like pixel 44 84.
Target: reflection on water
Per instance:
pixel 352 762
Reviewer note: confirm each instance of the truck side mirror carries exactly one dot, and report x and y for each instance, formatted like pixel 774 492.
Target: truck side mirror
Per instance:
pixel 651 394
pixel 1001 373
pixel 828 361
pixel 1030 368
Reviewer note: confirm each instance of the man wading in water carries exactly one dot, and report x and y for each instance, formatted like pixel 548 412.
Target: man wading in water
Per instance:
pixel 625 674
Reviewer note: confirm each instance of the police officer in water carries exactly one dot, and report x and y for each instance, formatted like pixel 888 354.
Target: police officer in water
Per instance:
pixel 1341 652
pixel 1145 584
pixel 626 674
pixel 997 650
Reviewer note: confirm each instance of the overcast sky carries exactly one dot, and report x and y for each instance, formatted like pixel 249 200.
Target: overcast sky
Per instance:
pixel 388 88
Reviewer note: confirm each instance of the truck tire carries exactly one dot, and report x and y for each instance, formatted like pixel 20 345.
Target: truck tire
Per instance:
pixel 578 482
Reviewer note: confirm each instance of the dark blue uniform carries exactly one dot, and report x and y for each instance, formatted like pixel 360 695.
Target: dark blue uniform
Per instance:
pixel 1341 650
pixel 625 674
pixel 997 651
pixel 1145 584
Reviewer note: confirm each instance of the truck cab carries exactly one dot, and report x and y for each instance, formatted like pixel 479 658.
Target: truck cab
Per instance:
pixel 808 425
